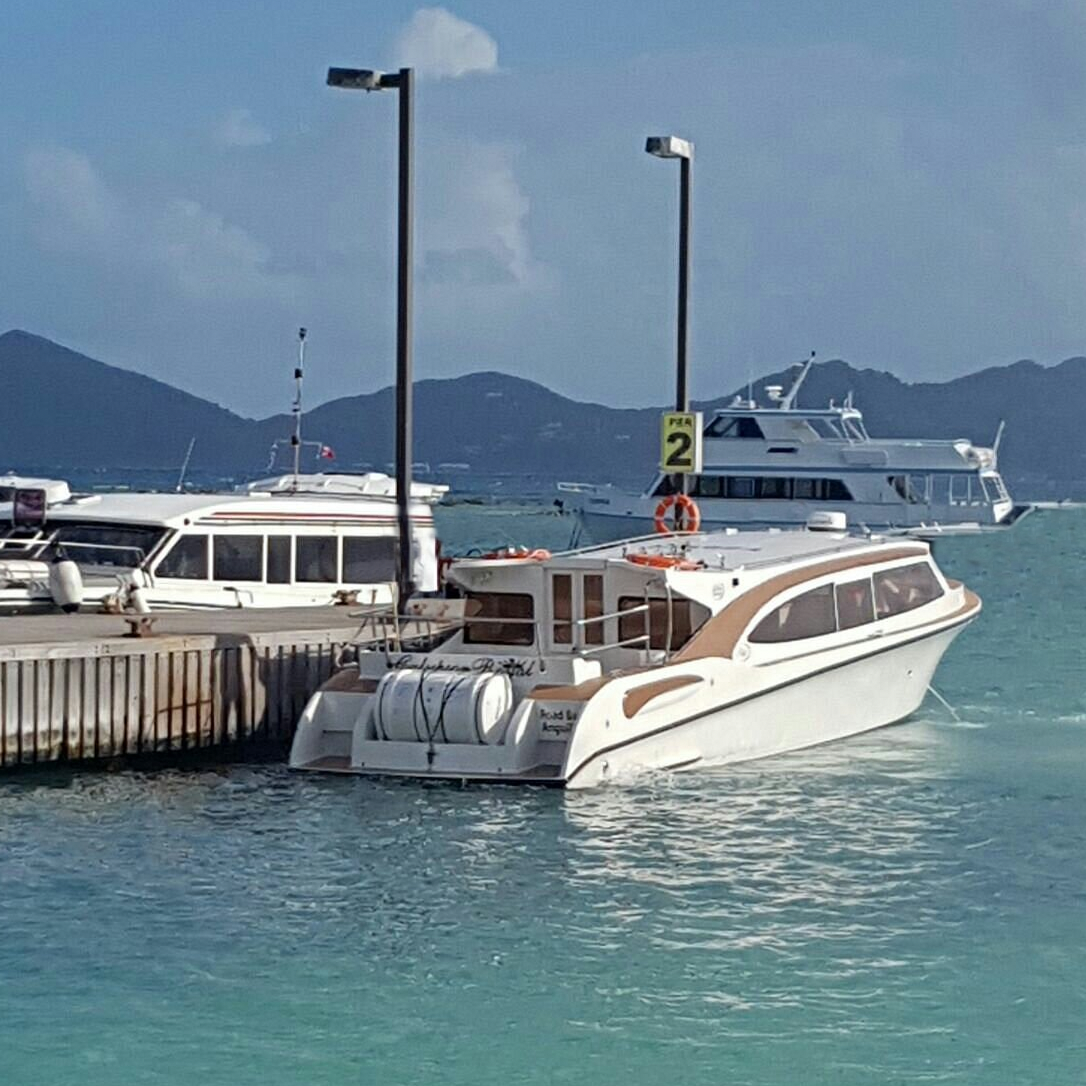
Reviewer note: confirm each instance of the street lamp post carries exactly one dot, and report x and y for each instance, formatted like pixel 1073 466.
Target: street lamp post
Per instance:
pixel 402 81
pixel 683 150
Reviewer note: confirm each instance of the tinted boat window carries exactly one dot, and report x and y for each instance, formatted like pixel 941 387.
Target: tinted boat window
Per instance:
pixel 772 486
pixel 633 626
pixel 237 557
pixel 279 559
pixel 855 604
pixel 809 615
pixel 562 608
pixel 905 588
pixel 593 608
pixel 366 561
pixel 99 544
pixel 517 608
pixel 315 558
pixel 187 559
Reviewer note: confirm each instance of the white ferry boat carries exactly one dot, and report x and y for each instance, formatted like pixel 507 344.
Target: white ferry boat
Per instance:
pixel 773 466
pixel 289 540
pixel 666 652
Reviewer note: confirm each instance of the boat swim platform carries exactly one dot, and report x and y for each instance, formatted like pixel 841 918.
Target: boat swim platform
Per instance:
pixel 81 688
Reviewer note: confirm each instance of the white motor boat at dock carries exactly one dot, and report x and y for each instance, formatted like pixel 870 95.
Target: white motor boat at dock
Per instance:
pixel 295 540
pixel 665 652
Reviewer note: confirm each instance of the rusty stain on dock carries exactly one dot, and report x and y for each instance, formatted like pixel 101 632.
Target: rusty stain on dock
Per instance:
pixel 75 688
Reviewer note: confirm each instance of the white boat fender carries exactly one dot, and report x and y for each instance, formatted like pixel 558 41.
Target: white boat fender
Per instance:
pixel 66 585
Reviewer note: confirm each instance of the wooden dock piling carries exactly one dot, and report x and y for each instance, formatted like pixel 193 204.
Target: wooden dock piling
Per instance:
pixel 74 688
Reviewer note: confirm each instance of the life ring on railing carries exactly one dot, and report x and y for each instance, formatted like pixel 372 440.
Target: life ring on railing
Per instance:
pixel 662 561
pixel 521 554
pixel 688 518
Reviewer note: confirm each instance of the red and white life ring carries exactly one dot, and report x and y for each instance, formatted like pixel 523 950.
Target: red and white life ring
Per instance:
pixel 687 514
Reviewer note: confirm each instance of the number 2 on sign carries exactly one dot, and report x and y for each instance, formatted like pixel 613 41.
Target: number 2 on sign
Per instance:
pixel 679 459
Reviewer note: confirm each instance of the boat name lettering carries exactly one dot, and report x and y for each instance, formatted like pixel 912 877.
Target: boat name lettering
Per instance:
pixel 481 665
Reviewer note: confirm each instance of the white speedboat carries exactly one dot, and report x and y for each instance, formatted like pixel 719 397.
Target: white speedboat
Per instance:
pixel 773 466
pixel 665 652
pixel 290 540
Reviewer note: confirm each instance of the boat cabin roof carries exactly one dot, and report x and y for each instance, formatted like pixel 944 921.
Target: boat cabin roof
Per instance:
pixel 179 510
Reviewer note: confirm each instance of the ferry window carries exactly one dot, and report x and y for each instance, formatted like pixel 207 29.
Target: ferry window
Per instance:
pixel 99 544
pixel 809 615
pixel 905 588
pixel 315 558
pixel 237 557
pixel 279 559
pixel 708 486
pixel 855 604
pixel 833 490
pixel 562 608
pixel 664 488
pixel 911 488
pixel 367 560
pixel 721 428
pixel 633 626
pixel 744 426
pixel 803 489
pixel 187 559
pixel 486 625
pixel 593 608
pixel 770 486
pixel 740 488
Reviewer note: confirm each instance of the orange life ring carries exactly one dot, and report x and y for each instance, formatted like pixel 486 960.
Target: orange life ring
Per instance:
pixel 688 521
pixel 662 561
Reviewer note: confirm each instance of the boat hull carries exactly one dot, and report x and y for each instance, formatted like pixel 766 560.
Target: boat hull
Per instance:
pixel 769 710
pixel 823 706
pixel 601 527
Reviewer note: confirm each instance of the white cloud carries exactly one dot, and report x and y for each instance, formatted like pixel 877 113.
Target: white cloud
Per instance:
pixel 442 46
pixel 477 232
pixel 196 250
pixel 76 205
pixel 239 129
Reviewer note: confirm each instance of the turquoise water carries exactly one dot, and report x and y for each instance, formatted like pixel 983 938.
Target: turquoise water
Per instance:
pixel 906 907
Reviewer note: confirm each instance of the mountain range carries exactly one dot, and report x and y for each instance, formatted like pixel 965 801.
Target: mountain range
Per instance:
pixel 61 411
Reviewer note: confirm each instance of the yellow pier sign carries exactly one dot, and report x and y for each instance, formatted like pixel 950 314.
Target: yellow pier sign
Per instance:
pixel 680 442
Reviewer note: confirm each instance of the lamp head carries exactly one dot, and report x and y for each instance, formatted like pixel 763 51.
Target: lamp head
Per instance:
pixel 669 147
pixel 354 79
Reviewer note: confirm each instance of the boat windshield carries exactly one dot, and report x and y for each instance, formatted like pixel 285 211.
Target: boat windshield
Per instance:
pixel 90 543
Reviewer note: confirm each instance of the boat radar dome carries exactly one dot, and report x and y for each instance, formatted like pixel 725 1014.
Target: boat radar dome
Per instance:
pixel 827 521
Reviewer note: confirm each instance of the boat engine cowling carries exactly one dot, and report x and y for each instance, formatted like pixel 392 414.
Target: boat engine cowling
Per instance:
pixel 417 705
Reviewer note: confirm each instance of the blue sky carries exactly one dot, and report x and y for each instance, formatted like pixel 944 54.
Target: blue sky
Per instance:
pixel 899 184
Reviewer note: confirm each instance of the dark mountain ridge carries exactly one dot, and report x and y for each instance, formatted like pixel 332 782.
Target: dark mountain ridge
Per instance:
pixel 64 411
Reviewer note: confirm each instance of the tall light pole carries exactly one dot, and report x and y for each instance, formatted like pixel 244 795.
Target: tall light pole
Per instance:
pixel 683 150
pixel 402 81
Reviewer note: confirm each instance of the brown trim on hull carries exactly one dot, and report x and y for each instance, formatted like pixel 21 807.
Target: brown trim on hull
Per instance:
pixel 636 699
pixel 721 633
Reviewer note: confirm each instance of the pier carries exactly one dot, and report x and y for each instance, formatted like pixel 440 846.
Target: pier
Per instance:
pixel 81 688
